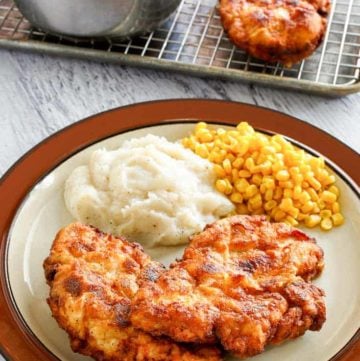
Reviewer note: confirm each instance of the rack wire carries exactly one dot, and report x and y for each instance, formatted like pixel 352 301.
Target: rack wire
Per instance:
pixel 193 40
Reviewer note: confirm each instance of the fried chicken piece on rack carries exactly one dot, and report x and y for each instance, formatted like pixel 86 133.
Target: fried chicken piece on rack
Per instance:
pixel 92 278
pixel 276 30
pixel 243 281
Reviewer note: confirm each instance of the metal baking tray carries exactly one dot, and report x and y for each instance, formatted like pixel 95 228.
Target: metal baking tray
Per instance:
pixel 193 41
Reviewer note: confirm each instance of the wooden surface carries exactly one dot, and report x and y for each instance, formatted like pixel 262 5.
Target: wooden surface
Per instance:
pixel 40 95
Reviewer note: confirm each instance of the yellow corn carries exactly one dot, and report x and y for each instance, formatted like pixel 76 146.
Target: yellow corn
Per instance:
pixel 244 173
pixel 337 219
pixel 236 197
pixel 219 170
pixel 335 190
pixel 326 224
pixel 325 213
pixel 262 174
pixel 270 205
pixel 269 194
pixel 312 220
pixel 335 207
pixel 328 197
pixel 291 220
pixel 282 175
pixel 227 166
pixel 251 191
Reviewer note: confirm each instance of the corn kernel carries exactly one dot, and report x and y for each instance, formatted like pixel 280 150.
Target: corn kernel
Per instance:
pixel 279 215
pixel 270 205
pixel 230 157
pixel 338 219
pixel 205 136
pixel 335 190
pixel 200 125
pixel 286 184
pixel 201 150
pixel 304 197
pixel 312 220
pixel 223 186
pixel 265 167
pixel 269 194
pixel 314 196
pixel 321 204
pixel 227 166
pixel 256 179
pixel 251 191
pixel 301 216
pixel 313 182
pixel 219 171
pixel 234 174
pixel 328 197
pixel 242 209
pixel 249 164
pixel 291 220
pixel 240 148
pixel 325 213
pixel 268 149
pixel 307 207
pixel 286 204
pixel 257 212
pixel 278 166
pixel 269 183
pixel 297 192
pixel 282 175
pixel 335 207
pixel 244 173
pixel 238 162
pixel 241 185
pixel 262 188
pixel 298 178
pixel 288 193
pixel 278 193
pixel 330 180
pixel 293 212
pixel 326 224
pixel 236 197
pixel 255 201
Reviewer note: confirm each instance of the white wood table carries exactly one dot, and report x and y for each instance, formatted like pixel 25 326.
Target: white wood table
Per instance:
pixel 40 95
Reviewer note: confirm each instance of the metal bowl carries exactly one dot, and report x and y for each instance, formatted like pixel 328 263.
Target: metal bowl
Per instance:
pixel 97 18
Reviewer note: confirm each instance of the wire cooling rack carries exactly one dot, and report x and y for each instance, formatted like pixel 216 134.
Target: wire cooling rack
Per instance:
pixel 193 41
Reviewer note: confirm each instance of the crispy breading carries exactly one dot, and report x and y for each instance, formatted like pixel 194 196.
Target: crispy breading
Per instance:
pixel 93 277
pixel 243 281
pixel 276 30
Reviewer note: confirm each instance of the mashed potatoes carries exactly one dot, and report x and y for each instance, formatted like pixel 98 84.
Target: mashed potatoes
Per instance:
pixel 149 190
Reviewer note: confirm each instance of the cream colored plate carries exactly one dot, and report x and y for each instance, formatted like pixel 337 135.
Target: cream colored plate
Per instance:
pixel 43 213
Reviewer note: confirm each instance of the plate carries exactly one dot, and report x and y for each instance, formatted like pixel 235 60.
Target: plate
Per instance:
pixel 33 210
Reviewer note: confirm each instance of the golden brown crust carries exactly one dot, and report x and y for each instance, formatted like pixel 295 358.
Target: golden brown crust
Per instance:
pixel 243 281
pixel 92 278
pixel 276 30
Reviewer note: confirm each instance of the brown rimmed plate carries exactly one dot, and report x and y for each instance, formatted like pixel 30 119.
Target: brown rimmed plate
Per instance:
pixel 32 210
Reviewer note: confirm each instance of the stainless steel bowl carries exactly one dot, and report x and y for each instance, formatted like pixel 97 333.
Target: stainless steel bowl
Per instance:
pixel 97 18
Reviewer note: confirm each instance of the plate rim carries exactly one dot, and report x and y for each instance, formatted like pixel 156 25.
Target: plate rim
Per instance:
pixel 100 126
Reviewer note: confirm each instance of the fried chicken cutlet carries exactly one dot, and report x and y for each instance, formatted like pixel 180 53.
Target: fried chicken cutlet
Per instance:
pixel 276 30
pixel 243 281
pixel 93 277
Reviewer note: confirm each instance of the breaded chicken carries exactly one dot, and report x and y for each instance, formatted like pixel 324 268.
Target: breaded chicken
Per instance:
pixel 276 30
pixel 93 278
pixel 243 281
